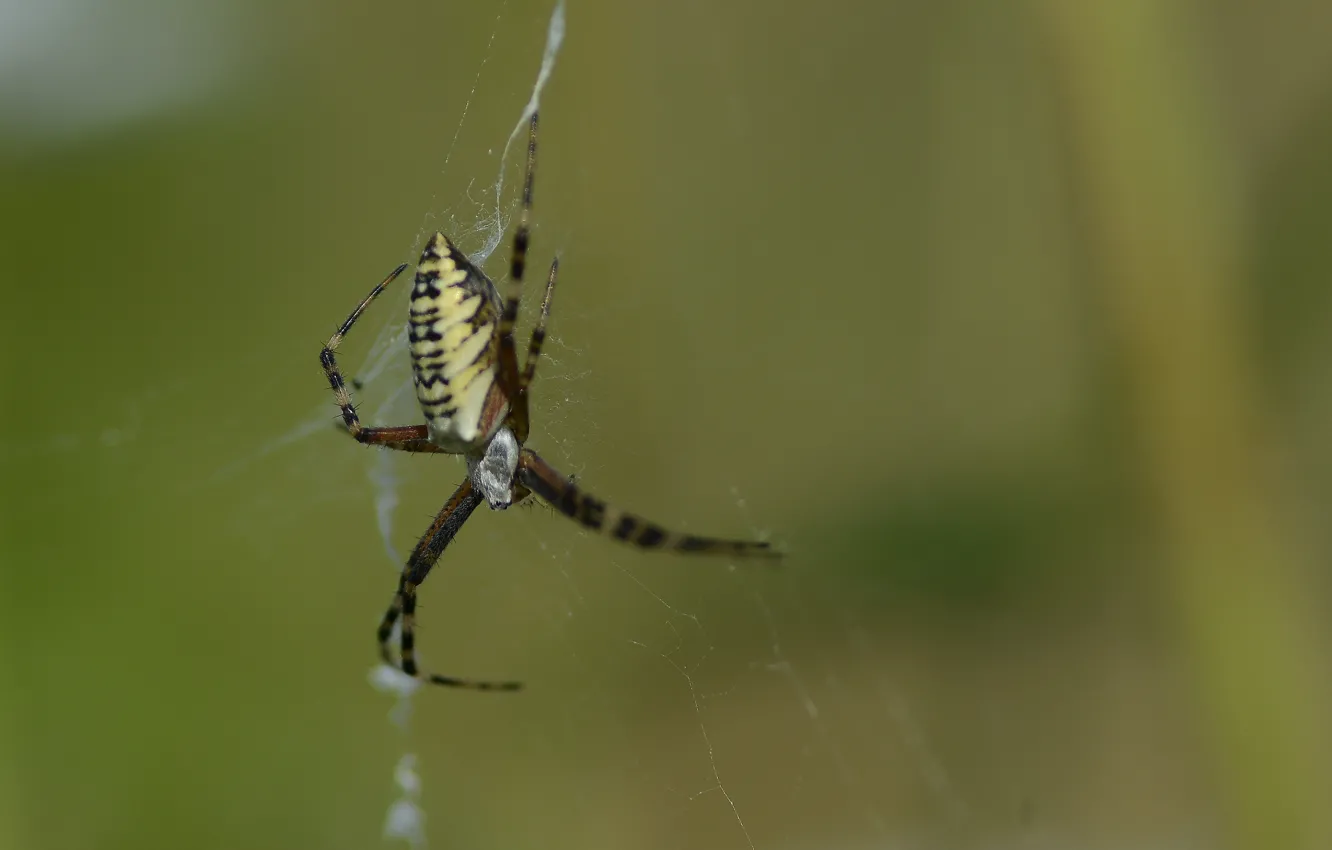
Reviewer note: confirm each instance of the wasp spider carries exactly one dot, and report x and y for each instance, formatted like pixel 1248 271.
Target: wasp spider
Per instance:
pixel 475 403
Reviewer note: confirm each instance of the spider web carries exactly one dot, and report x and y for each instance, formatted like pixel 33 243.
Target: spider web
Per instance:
pixel 668 633
pixel 681 641
pixel 385 372
pixel 685 646
pixel 406 818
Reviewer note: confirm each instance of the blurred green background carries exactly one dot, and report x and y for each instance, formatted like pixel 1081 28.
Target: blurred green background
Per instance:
pixel 1011 320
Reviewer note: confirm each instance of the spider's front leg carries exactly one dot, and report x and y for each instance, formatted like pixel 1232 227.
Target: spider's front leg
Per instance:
pixel 407 438
pixel 403 608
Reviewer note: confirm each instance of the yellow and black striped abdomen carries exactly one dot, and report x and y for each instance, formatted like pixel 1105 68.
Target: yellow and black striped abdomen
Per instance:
pixel 451 333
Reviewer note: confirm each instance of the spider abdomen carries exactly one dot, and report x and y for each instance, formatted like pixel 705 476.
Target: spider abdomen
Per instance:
pixel 451 334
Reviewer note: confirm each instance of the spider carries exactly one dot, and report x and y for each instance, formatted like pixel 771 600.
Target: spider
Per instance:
pixel 475 404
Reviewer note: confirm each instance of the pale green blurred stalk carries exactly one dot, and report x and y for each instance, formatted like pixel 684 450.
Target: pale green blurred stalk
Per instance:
pixel 1161 187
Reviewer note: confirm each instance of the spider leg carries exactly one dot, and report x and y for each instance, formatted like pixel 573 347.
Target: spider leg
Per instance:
pixel 402 438
pixel 507 374
pixel 428 550
pixel 541 478
pixel 534 350
pixel 409 438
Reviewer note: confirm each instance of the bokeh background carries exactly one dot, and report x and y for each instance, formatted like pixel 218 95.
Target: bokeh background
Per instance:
pixel 1010 320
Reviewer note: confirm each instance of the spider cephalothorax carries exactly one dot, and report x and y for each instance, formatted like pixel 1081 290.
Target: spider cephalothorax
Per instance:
pixel 474 400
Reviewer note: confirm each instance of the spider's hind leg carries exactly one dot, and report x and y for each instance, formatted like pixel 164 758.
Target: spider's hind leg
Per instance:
pixel 594 514
pixel 402 610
